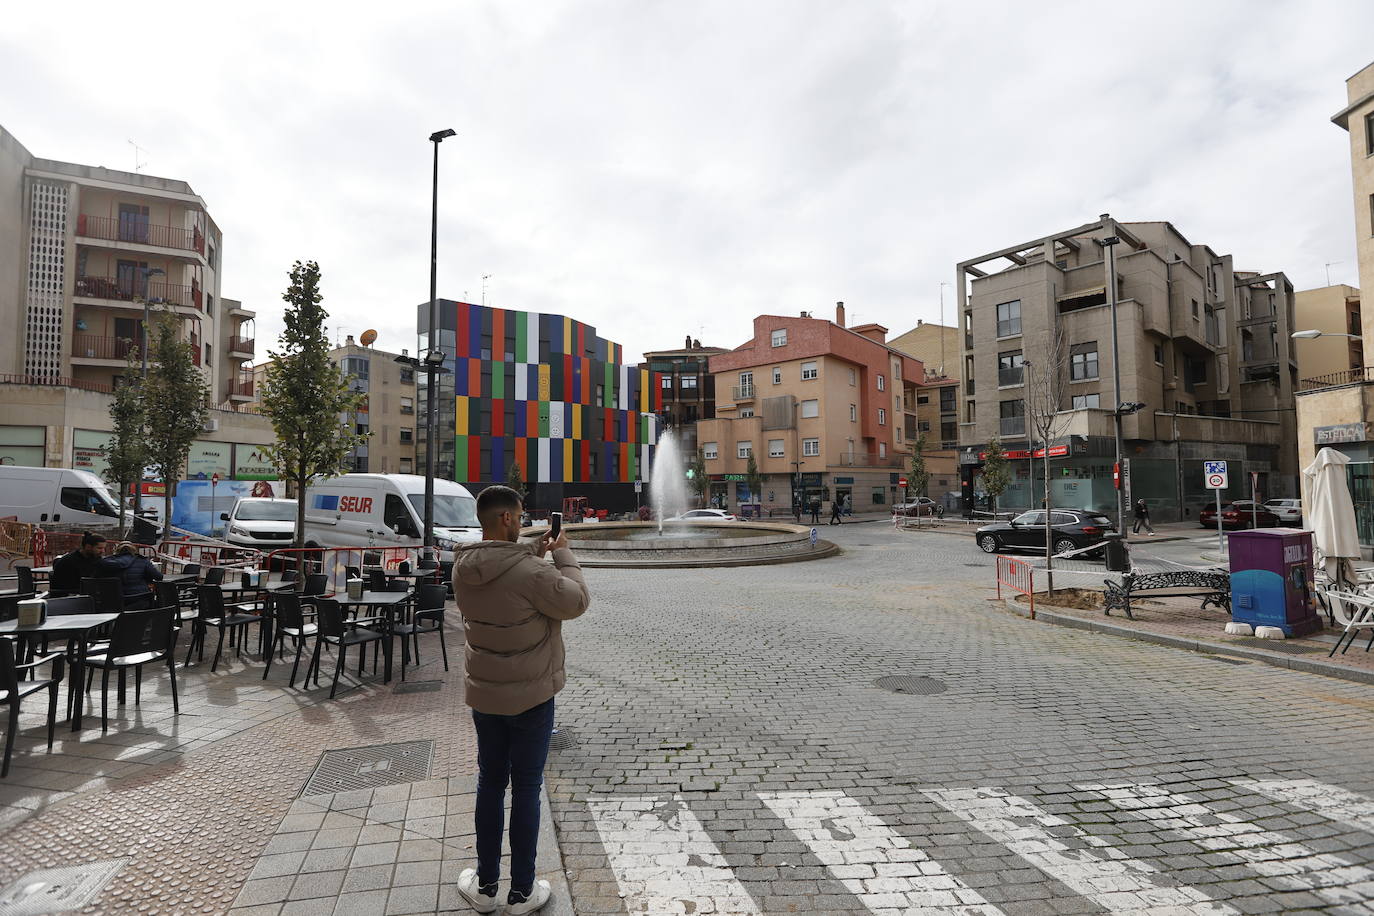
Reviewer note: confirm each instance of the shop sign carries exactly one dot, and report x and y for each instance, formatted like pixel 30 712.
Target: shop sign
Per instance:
pixel 89 451
pixel 811 480
pixel 207 459
pixel 252 463
pixel 735 478
pixel 1056 451
pixel 1343 432
pixel 842 481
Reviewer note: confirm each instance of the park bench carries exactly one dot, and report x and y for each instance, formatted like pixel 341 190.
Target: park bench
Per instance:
pixel 1212 587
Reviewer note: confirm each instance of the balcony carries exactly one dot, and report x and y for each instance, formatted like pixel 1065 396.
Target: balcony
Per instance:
pixel 742 392
pixel 156 292
pixel 137 232
pixel 241 347
pixel 1009 377
pixel 870 460
pixel 1336 379
pixel 1012 426
pixel 92 347
pixel 55 382
pixel 241 389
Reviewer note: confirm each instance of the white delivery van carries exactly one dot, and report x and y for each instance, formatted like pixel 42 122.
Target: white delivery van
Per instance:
pixel 56 496
pixel 260 523
pixel 385 510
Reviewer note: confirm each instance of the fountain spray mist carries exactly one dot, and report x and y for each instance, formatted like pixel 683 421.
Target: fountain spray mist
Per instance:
pixel 667 488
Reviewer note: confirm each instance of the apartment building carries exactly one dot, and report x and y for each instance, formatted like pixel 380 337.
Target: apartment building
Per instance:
pixel 1335 311
pixel 1206 365
pixel 689 389
pixel 821 407
pixel 1336 408
pixel 388 413
pixel 935 345
pixel 84 251
pixel 935 413
pixel 545 392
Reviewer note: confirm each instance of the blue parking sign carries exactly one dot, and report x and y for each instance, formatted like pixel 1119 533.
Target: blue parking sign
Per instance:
pixel 1214 467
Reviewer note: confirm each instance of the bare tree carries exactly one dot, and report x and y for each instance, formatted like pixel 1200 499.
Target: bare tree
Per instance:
pixel 1046 395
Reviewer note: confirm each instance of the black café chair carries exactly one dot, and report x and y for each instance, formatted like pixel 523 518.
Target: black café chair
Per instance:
pixel 334 630
pixel 13 690
pixel 107 592
pixel 72 604
pixel 293 621
pixel 212 612
pixel 9 604
pixel 140 638
pixel 428 618
pixel 316 585
pixel 191 569
pixel 169 594
pixel 214 575
pixel 25 575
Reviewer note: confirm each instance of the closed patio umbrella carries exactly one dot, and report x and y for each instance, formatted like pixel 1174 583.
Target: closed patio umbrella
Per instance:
pixel 1331 514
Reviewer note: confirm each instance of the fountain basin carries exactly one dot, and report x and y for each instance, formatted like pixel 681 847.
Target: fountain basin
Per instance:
pixel 690 544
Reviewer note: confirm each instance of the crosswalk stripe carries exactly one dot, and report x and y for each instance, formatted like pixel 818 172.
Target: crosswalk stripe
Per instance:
pixel 663 859
pixel 1087 864
pixel 1274 855
pixel 874 862
pixel 1329 801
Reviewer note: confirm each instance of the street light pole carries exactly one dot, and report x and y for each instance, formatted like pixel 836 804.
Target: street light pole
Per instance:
pixel 1110 243
pixel 143 356
pixel 434 356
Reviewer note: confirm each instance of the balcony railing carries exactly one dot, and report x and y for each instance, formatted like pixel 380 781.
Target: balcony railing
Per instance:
pixel 123 229
pixel 1334 379
pixel 1014 376
pixel 92 347
pixel 1012 426
pixel 127 290
pixel 241 344
pixel 242 387
pixel 870 460
pixel 61 381
pixel 742 392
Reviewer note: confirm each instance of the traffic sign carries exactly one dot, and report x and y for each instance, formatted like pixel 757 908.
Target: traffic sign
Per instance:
pixel 214 479
pixel 1216 475
pixel 639 486
pixel 901 481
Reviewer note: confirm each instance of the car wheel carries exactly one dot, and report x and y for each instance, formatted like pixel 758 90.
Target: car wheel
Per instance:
pixel 1062 545
pixel 988 543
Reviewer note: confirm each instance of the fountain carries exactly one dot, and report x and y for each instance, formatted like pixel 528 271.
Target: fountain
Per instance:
pixel 670 542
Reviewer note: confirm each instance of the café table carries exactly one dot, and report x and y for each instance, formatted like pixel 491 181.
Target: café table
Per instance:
pixel 77 629
pixel 234 593
pixel 386 602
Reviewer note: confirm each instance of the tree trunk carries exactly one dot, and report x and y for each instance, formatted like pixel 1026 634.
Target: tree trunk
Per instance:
pixel 1049 528
pixel 123 509
pixel 300 528
pixel 167 486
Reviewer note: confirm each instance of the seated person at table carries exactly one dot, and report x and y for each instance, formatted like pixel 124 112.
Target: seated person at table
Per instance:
pixel 69 569
pixel 136 575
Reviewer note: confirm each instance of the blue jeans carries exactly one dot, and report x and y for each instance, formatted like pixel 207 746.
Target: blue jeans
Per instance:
pixel 510 749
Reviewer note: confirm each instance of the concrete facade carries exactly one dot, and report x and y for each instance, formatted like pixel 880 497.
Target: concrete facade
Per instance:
pixel 391 409
pixel 935 345
pixel 1197 338
pixel 1329 309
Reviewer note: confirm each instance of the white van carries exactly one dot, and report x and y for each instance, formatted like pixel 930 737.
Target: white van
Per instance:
pixel 56 496
pixel 385 510
pixel 261 523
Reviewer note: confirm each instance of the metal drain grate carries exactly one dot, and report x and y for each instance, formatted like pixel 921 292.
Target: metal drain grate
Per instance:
pixel 58 890
pixel 369 767
pixel 916 685
pixel 562 739
pixel 418 687
pixel 1229 661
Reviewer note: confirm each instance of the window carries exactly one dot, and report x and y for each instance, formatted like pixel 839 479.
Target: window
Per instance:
pixel 710 450
pixel 746 380
pixel 1013 418
pixel 1371 214
pixel 209 351
pixel 922 399
pixel 744 449
pixel 746 412
pixel 1083 362
pixel 1009 318
pixel 779 337
pixel 209 304
pixel 408 376
pixel 774 448
pixel 688 382
pixel 809 371
pixel 811 408
pixel 882 449
pixel 406 466
pixel 396 516
pixel 407 405
pixel 84 499
pixel 1369 135
pixel 1081 401
pixel 361 429
pixel 1159 354
pixel 777 375
pixel 882 382
pixel 882 416
pixel 853 377
pixel 1011 368
pixel 407 435
pixel 923 426
pixel 1195 313
pixel 853 413
pixel 811 447
pixel 353 365
pixel 666 382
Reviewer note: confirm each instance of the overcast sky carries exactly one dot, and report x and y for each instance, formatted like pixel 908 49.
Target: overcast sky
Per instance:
pixel 658 169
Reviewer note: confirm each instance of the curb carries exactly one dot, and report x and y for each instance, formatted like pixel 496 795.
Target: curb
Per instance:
pixel 1206 648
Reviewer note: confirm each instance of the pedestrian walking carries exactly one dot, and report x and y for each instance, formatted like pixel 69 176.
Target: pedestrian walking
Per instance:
pixel 513 602
pixel 848 505
pixel 835 514
pixel 1142 517
pixel 815 511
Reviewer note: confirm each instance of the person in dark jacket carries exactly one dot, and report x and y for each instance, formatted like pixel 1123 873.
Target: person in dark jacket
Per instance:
pixel 136 575
pixel 69 569
pixel 1142 517
pixel 815 511
pixel 835 511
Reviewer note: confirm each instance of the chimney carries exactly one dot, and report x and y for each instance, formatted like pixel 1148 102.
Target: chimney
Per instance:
pixel 839 313
pixel 919 322
pixel 348 341
pixel 405 352
pixel 696 344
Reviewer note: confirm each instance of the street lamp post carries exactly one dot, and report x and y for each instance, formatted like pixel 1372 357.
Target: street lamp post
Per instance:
pixel 1110 243
pixel 142 296
pixel 433 357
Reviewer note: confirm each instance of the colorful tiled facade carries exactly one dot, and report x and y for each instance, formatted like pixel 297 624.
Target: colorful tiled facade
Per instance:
pixel 548 393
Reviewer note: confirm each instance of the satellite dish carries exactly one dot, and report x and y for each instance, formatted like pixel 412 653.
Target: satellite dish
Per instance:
pixel 369 336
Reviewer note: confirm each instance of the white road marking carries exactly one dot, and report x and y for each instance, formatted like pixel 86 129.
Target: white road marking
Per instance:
pixel 874 862
pixel 1087 864
pixel 1329 801
pixel 663 859
pixel 1271 854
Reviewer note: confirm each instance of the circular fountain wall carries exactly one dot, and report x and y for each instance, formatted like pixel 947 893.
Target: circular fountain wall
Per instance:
pixel 685 544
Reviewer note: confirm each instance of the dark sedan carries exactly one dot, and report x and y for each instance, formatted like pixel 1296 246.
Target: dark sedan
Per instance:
pixel 1073 528
pixel 1239 514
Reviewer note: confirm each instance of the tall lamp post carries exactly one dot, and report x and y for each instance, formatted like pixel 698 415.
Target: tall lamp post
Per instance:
pixel 1110 243
pixel 141 295
pixel 434 356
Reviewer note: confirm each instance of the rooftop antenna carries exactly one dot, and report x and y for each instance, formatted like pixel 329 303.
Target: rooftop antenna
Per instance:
pixel 1328 270
pixel 485 278
pixel 138 164
pixel 942 328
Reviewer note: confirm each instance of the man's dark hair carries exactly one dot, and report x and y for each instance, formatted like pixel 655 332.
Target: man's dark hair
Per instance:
pixel 90 539
pixel 494 500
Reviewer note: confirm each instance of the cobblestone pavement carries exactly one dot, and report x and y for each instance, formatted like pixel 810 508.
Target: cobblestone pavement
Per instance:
pixel 733 753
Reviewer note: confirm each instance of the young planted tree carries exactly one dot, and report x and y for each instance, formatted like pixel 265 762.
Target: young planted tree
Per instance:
pixel 306 394
pixel 515 478
pixel 996 472
pixel 174 405
pixel 918 478
pixel 127 454
pixel 697 479
pixel 1046 391
pixel 754 479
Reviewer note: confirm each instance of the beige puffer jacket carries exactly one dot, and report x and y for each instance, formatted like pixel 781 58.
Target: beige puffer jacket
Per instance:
pixel 513 605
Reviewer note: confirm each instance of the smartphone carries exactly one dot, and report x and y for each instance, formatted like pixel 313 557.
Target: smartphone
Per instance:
pixel 555 524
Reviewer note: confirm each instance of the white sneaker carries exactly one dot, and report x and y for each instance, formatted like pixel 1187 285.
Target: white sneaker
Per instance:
pixel 468 887
pixel 539 896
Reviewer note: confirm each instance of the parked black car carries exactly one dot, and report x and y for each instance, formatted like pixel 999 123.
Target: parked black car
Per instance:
pixel 1073 528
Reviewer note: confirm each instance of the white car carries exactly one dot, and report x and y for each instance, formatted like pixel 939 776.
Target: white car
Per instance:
pixel 263 524
pixel 712 515
pixel 1289 511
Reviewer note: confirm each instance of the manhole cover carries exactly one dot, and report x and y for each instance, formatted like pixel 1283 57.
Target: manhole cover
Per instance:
pixel 418 687
pixel 909 684
pixel 1228 661
pixel 562 739
pixel 58 890
pixel 368 767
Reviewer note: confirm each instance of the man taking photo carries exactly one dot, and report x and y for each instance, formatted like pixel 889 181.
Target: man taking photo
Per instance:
pixel 513 603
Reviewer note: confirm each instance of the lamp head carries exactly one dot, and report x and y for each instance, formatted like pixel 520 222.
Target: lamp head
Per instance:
pixel 1306 335
pixel 434 357
pixel 441 135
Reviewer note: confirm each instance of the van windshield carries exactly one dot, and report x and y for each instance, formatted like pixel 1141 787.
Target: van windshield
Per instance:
pixel 449 511
pixel 85 499
pixel 266 512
